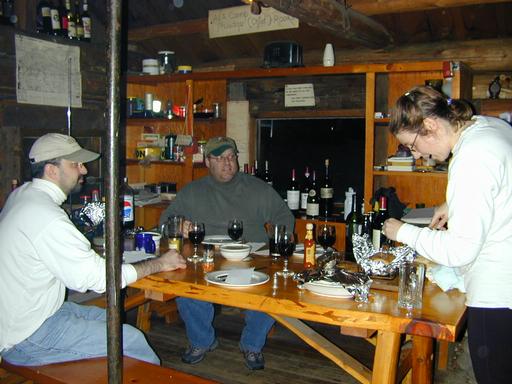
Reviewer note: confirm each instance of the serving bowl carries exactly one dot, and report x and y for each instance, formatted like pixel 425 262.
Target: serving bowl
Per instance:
pixel 235 252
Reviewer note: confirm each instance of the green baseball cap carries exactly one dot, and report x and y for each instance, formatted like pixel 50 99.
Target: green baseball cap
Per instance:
pixel 217 145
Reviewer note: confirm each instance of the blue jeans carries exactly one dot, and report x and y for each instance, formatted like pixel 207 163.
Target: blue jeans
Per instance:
pixel 198 317
pixel 76 332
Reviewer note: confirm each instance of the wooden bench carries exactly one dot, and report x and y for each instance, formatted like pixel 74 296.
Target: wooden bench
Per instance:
pixel 94 371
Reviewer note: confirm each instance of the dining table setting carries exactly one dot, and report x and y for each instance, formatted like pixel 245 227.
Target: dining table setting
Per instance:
pixel 250 276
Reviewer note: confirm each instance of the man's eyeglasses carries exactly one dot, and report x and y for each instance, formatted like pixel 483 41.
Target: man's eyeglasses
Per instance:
pixel 411 147
pixel 229 158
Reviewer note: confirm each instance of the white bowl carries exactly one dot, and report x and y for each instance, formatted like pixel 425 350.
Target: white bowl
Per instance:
pixel 235 251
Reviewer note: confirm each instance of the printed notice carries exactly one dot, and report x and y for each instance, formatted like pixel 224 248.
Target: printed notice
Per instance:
pixel 299 95
pixel 47 72
pixel 236 21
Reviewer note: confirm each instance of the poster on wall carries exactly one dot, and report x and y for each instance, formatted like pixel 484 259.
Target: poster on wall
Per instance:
pixel 299 95
pixel 47 73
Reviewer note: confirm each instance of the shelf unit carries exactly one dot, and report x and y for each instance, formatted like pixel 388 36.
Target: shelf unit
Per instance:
pixel 182 91
pixel 412 187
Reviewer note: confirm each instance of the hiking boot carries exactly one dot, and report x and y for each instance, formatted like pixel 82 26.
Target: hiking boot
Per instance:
pixel 253 360
pixel 194 355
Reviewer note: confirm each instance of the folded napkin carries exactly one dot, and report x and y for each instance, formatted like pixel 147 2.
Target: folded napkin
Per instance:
pixel 446 278
pixel 255 246
pixel 239 276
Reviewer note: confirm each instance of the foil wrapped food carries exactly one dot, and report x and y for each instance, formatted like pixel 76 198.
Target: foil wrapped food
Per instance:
pixel 357 283
pixel 93 214
pixel 379 262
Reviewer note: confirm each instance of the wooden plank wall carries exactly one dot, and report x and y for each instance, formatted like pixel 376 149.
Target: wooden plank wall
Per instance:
pixel 20 124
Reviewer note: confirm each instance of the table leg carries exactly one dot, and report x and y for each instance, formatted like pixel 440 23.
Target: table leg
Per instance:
pixel 422 359
pixel 385 362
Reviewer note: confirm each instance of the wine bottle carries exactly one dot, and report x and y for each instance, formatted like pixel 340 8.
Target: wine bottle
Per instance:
pixel 305 190
pixel 63 14
pixel 71 21
pixel 246 168
pixel 55 18
pixel 43 18
pixel 78 22
pixel 128 199
pixel 312 208
pixel 326 194
pixel 267 177
pixel 354 224
pixel 293 194
pixel 378 239
pixel 309 247
pixel 255 171
pixel 86 22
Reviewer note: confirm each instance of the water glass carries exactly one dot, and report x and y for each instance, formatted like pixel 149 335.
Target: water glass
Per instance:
pixel 410 288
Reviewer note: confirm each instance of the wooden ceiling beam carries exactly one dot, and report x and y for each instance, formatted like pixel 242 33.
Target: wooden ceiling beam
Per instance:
pixel 168 30
pixel 379 7
pixel 332 16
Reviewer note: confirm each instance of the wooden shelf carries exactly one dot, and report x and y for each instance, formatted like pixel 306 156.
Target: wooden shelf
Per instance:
pixel 142 120
pixel 287 72
pixel 142 162
pixel 409 174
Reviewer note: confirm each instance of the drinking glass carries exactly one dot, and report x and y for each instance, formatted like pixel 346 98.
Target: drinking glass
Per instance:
pixel 196 236
pixel 285 246
pixel 272 232
pixel 235 229
pixel 326 235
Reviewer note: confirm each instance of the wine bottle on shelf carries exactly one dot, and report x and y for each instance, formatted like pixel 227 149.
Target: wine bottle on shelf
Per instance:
pixel 44 18
pixel 71 21
pixel 378 239
pixel 267 177
pixel 256 171
pixel 246 168
pixel 63 15
pixel 309 247
pixel 86 22
pixel 253 170
pixel 293 194
pixel 78 22
pixel 326 193
pixel 14 184
pixel 354 224
pixel 55 18
pixel 305 190
pixel 128 199
pixel 312 208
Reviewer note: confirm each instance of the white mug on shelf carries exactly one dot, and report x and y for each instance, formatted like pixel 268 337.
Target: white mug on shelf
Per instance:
pixel 328 55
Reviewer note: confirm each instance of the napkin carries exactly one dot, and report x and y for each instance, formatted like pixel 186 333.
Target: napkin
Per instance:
pixel 239 276
pixel 446 278
pixel 131 257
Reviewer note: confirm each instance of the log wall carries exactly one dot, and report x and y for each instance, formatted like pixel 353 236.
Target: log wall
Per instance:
pixel 20 124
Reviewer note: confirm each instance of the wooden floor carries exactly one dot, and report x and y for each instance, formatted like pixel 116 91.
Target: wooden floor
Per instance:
pixel 288 359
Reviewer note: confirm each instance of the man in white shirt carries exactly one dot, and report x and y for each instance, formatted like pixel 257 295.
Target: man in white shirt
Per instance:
pixel 42 253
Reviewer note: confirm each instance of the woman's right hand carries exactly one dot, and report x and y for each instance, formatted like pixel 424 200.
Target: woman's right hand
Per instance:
pixel 440 218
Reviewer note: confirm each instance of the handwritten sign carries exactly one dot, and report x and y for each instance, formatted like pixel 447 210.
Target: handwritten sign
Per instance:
pixel 235 21
pixel 299 95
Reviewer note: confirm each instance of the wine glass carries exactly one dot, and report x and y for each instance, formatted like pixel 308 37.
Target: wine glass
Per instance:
pixel 196 236
pixel 326 236
pixel 285 246
pixel 272 231
pixel 235 229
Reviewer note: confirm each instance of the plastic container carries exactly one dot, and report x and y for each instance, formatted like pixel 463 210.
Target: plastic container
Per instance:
pixel 183 69
pixel 167 61
pixel 150 67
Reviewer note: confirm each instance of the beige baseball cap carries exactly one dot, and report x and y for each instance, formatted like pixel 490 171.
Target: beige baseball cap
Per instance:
pixel 217 145
pixel 58 146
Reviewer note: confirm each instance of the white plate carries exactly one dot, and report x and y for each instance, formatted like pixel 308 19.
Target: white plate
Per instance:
pixel 327 288
pixel 219 277
pixel 218 240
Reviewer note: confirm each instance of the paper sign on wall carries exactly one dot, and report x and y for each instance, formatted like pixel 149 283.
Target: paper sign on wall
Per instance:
pixel 235 21
pixel 299 95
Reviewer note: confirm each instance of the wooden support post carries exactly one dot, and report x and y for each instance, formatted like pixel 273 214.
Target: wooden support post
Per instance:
pixel 422 359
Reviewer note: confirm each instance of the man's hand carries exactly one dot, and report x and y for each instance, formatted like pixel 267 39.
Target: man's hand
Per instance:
pixel 169 261
pixel 172 260
pixel 440 218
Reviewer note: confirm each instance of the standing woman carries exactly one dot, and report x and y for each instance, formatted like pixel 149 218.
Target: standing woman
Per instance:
pixel 477 212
